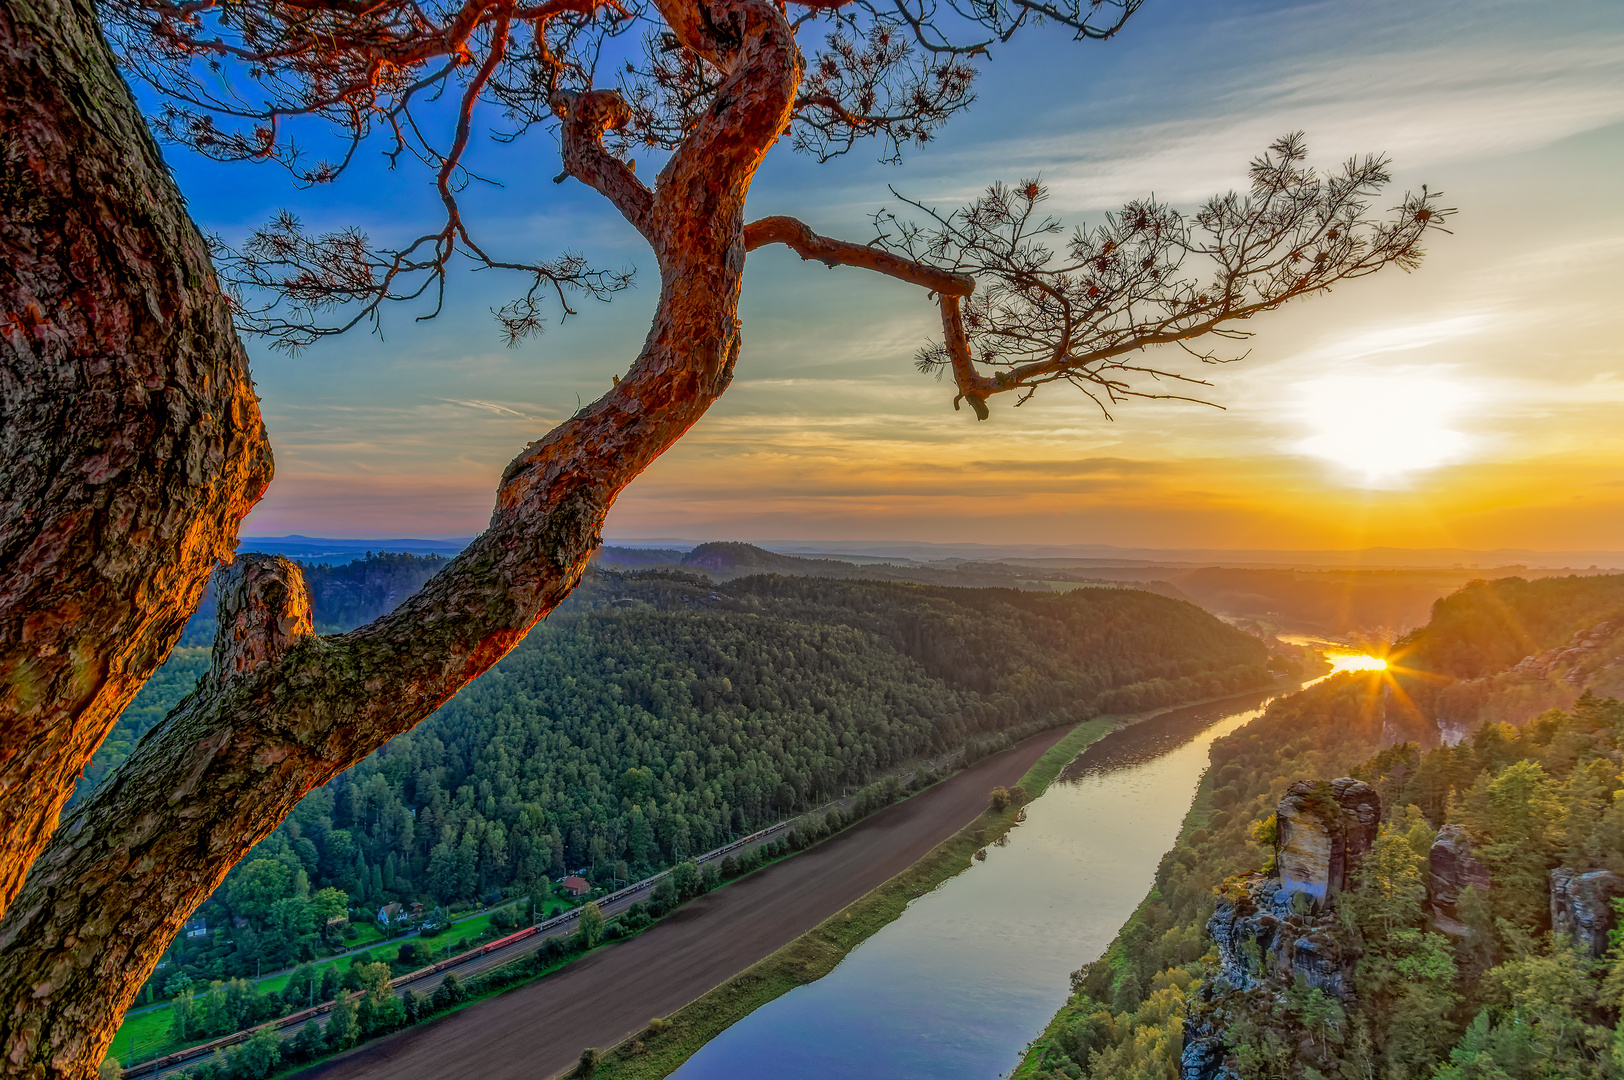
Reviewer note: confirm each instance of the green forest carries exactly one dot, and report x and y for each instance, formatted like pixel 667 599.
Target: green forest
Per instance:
pixel 659 715
pixel 1506 1000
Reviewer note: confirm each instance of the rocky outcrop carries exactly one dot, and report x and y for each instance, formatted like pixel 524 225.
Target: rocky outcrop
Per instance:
pixel 1280 930
pixel 1567 660
pixel 1451 869
pixel 1582 906
pixel 1204 1052
pixel 1269 940
pixel 1324 828
pixel 1264 937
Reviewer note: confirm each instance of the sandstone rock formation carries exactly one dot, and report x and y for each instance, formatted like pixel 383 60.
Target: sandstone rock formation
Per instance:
pixel 1451 868
pixel 1582 906
pixel 1277 931
pixel 1324 827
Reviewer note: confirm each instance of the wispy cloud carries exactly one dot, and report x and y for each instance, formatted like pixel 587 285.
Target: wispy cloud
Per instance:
pixel 1423 107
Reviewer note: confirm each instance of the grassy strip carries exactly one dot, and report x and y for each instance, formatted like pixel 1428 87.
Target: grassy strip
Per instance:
pixel 1046 768
pixel 665 1046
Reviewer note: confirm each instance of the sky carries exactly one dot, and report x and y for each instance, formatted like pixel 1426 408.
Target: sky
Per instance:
pixel 1473 404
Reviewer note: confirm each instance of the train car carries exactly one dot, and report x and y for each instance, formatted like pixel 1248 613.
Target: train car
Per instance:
pixel 502 943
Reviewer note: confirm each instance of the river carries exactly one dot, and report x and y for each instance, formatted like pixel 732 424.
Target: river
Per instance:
pixel 973 971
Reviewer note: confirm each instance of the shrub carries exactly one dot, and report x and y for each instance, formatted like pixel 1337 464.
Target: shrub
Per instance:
pixel 308 1043
pixel 589 929
pixel 685 877
pixel 406 958
pixel 340 1029
pixel 590 1058
pixel 448 993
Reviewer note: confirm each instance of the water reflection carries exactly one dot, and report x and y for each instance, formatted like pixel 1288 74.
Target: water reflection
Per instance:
pixel 971 972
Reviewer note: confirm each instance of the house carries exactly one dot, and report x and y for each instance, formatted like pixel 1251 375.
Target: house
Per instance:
pixel 388 913
pixel 576 885
pixel 196 928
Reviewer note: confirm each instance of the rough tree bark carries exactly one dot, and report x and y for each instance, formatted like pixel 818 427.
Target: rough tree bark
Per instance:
pixel 283 709
pixel 130 439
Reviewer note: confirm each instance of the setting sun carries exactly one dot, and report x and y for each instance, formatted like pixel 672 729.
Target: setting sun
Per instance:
pixel 1381 426
pixel 1351 661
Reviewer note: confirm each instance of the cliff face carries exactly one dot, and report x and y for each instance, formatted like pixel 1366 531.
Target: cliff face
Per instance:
pixel 1582 906
pixel 1280 931
pixel 1452 868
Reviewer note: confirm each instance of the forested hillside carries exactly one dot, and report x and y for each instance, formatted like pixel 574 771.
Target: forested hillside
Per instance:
pixel 342 595
pixel 654 716
pixel 1489 626
pixel 1507 650
pixel 1361 604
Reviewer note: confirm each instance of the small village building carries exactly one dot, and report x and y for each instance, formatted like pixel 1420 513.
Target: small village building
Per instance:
pixel 576 885
pixel 196 928
pixel 389 913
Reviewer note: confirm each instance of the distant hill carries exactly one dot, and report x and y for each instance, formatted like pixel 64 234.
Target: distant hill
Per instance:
pixel 1339 603
pixel 727 560
pixel 1102 555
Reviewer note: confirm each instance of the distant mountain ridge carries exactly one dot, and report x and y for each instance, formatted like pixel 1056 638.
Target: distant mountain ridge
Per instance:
pixel 341 550
pixel 296 546
pixel 728 560
pixel 1112 555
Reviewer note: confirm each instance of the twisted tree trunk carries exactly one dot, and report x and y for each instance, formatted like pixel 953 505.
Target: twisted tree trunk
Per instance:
pixel 130 437
pixel 284 710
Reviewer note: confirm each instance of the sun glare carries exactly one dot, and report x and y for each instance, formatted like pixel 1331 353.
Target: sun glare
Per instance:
pixel 1379 427
pixel 1352 661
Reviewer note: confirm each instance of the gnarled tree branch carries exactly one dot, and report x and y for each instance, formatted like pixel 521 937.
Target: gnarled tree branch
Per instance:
pixel 799 238
pixel 586 117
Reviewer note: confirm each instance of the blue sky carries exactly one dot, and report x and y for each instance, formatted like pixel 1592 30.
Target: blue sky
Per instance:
pixel 1471 404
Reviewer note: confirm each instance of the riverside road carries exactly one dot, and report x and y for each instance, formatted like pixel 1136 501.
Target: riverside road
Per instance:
pixel 538 1031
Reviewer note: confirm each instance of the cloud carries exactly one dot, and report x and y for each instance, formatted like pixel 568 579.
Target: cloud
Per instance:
pixel 493 407
pixel 1422 107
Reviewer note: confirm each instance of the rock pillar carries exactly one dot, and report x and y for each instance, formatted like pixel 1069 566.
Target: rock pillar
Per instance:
pixel 1324 828
pixel 1582 906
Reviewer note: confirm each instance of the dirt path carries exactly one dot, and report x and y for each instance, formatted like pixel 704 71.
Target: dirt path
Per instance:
pixel 538 1031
